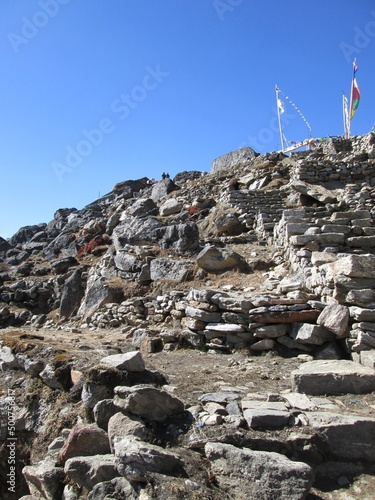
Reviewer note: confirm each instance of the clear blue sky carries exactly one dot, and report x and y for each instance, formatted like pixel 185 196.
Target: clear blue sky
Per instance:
pixel 94 92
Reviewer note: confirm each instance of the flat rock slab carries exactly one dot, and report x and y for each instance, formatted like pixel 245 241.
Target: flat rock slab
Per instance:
pixel 129 361
pixel 263 405
pixel 299 401
pixel 257 474
pixel 219 397
pixel 266 418
pixel 349 437
pixel 333 377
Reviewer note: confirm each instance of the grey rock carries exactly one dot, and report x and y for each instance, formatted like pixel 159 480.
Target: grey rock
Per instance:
pixel 335 318
pixel 129 361
pixel 349 437
pixel 72 293
pixel 266 418
pixel 138 336
pixel 136 231
pixel 170 269
pixel 360 314
pixel 127 262
pixel 219 260
pixel 263 345
pixel 126 189
pixel 229 224
pixel 201 295
pixel 299 401
pixel 181 237
pixel 49 378
pixel 170 207
pixel 98 293
pixel 239 156
pixel 362 298
pixel 103 411
pixel 89 471
pixel 224 328
pixel 192 339
pixel 44 479
pixel 367 358
pixel 93 393
pixel 333 377
pixel 120 426
pixel 207 317
pixel 119 487
pixel 356 266
pixel 306 333
pixel 270 331
pixel 136 459
pixel 62 265
pixel 219 397
pixel 143 207
pixel 330 350
pixel 293 344
pixel 268 475
pixel 8 359
pixel 314 191
pixel 148 402
pixel 234 304
pixel 162 188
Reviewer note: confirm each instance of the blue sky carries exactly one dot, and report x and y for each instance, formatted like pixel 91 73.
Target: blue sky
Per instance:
pixel 94 92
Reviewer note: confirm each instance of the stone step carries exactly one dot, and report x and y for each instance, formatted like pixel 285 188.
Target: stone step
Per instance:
pixel 333 377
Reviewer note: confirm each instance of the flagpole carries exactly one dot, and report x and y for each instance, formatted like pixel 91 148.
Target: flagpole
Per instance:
pixel 345 116
pixel 351 99
pixel 279 118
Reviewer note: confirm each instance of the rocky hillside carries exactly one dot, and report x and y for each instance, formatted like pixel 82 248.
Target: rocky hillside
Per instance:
pixel 267 259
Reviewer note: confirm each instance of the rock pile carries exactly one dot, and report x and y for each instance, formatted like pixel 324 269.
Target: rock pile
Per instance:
pixel 169 264
pixel 117 452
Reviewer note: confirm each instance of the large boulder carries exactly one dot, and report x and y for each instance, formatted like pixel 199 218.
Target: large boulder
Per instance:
pixel 181 237
pixel 143 207
pixel 136 231
pixel 219 260
pixel 24 234
pixel 126 189
pixel 162 188
pixel 239 156
pixel 99 292
pixel 73 291
pixel 314 191
pixel 258 474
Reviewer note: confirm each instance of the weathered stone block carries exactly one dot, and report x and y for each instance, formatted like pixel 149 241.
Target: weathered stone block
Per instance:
pixel 278 476
pixel 335 318
pixel 333 377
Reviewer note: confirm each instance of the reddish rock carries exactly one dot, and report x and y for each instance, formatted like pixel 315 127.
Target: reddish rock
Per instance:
pixel 85 440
